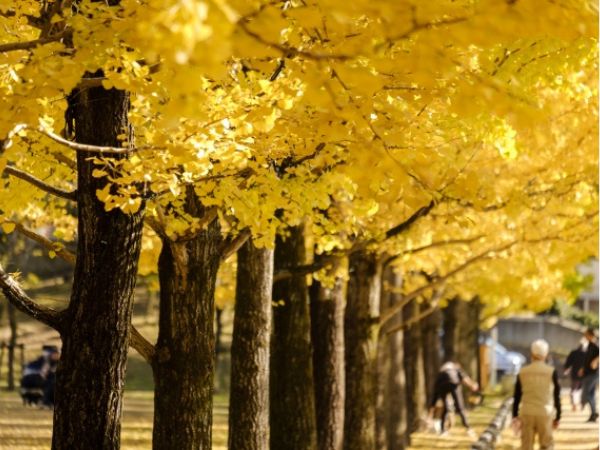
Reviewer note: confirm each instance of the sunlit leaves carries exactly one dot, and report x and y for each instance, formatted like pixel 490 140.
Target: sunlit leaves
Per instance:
pixel 347 115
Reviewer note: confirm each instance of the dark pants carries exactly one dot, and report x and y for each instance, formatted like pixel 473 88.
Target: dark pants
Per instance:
pixel 442 392
pixel 590 382
pixel 32 381
pixel 576 384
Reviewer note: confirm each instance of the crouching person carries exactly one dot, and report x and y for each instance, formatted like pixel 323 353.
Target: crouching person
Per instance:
pixel 536 407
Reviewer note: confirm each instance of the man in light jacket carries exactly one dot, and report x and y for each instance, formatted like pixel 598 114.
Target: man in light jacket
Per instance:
pixel 536 407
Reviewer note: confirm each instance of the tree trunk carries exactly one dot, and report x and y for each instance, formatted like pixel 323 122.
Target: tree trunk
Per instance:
pixel 413 367
pixel 218 333
pixel 362 310
pixel 12 345
pixel 327 327
pixel 450 324
pixel 292 407
pixel 95 327
pixel 249 392
pixel 461 330
pixel 430 328
pixel 391 398
pixel 184 362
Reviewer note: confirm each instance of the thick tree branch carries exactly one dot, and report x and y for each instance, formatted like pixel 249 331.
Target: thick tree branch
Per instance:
pixel 17 296
pixel 18 173
pixel 30 45
pixel 156 226
pixel 142 345
pixel 138 342
pixel 404 226
pixel 61 252
pixel 232 245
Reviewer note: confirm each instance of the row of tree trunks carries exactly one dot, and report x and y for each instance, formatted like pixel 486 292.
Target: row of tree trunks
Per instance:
pixel 292 405
pixel 327 306
pixel 249 392
pixel 184 360
pixel 362 311
pixel 391 381
pixel 95 327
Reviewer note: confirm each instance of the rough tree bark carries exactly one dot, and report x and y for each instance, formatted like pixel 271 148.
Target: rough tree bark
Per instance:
pixel 327 331
pixel 292 406
pixel 362 311
pixel 413 368
pixel 95 328
pixel 391 381
pixel 249 392
pixel 184 360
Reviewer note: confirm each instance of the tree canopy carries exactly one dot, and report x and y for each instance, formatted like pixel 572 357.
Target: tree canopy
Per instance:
pixel 478 118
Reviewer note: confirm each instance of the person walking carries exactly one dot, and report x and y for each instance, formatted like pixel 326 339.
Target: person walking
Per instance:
pixel 574 362
pixel 448 382
pixel 537 399
pixel 589 372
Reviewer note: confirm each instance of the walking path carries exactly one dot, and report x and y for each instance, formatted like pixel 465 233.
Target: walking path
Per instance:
pixel 573 434
pixel 457 438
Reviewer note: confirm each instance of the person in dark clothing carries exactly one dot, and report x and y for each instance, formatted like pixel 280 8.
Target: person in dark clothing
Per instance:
pixel 50 383
pixel 589 372
pixel 32 373
pixel 537 396
pixel 573 363
pixel 448 382
pixel 37 382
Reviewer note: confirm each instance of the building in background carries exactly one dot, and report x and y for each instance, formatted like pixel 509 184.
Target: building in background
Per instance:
pixel 588 299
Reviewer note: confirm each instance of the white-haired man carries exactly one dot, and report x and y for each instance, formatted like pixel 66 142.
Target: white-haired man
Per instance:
pixel 536 407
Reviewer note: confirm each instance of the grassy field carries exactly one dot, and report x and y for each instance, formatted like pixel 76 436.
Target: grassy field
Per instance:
pixel 28 428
